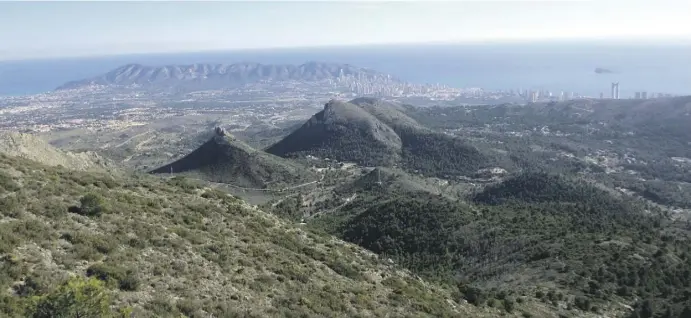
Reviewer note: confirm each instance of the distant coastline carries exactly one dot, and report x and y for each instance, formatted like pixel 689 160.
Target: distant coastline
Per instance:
pixel 559 67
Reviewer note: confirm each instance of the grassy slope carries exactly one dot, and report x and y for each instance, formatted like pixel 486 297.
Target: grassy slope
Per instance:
pixel 192 251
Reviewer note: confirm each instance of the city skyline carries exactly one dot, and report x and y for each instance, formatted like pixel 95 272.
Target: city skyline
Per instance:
pixel 63 29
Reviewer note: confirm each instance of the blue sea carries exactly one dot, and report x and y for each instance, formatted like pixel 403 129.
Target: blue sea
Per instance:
pixel 658 68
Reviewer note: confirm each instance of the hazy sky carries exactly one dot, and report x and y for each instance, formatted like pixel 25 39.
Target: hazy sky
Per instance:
pixel 52 29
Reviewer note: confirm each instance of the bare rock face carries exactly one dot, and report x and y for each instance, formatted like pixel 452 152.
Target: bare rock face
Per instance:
pixel 34 148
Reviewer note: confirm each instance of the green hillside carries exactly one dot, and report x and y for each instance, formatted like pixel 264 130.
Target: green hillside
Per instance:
pixel 345 132
pixel 171 248
pixel 371 132
pixel 435 154
pixel 226 160
pixel 571 245
pixel 653 131
pixel 392 114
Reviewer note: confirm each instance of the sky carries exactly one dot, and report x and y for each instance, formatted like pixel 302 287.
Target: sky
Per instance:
pixel 62 29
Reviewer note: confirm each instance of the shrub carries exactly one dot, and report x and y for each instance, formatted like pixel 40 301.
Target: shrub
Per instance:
pixel 582 303
pixel 78 297
pixel 474 295
pixel 7 183
pixel 130 282
pixel 123 279
pixel 92 205
pixel 509 304
pixel 9 206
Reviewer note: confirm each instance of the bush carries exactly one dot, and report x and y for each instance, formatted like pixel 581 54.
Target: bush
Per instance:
pixel 78 297
pixel 9 206
pixel 114 276
pixel 582 303
pixel 7 183
pixel 474 295
pixel 92 205
pixel 509 304
pixel 130 282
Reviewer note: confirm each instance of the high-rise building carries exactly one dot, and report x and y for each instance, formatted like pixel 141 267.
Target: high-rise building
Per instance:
pixel 533 97
pixel 644 95
pixel 638 95
pixel 602 95
pixel 615 90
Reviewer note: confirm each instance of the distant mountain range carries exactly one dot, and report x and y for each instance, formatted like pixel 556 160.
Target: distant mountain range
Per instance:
pixel 216 76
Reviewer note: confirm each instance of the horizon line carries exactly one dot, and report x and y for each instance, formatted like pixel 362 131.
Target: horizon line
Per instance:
pixel 672 41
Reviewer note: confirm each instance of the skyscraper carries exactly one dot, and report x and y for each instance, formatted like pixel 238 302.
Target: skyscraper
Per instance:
pixel 644 95
pixel 615 90
pixel 638 95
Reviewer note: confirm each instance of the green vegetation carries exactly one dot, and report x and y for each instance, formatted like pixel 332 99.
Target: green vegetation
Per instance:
pixel 587 222
pixel 380 134
pixel 344 132
pixel 578 246
pixel 157 236
pixel 435 154
pixel 223 159
pixel 76 297
pixel 114 276
pixel 92 205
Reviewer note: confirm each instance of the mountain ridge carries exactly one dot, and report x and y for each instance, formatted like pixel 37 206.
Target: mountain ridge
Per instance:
pixel 216 76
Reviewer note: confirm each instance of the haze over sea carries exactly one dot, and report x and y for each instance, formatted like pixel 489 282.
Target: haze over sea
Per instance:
pixel 658 68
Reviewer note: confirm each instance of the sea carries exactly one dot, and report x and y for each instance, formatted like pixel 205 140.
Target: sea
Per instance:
pixel 563 66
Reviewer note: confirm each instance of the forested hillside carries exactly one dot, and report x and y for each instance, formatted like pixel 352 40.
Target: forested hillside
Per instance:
pixel 564 241
pixel 373 133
